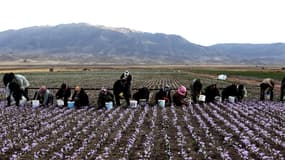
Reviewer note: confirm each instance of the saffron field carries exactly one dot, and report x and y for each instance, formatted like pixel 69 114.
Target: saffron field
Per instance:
pixel 248 130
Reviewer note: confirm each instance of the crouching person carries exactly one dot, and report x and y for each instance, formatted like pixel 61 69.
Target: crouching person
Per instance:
pixel 196 88
pixel 20 80
pixel 63 93
pixel 104 96
pixel 234 90
pixel 44 96
pixel 266 86
pixel 14 93
pixel 282 89
pixel 163 94
pixel 211 92
pixel 80 97
pixel 179 98
pixel 142 93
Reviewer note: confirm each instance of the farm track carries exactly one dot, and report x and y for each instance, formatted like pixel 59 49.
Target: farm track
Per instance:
pixel 247 130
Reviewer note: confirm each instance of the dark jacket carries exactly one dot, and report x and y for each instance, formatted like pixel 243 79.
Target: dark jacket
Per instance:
pixel 80 99
pixel 120 87
pixel 142 93
pixel 282 89
pixel 103 98
pixel 179 100
pixel 163 95
pixel 196 88
pixel 211 92
pixel 13 90
pixel 267 87
pixel 63 93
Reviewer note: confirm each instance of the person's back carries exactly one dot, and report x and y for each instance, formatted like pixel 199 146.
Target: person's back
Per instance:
pixel 268 81
pixel 23 81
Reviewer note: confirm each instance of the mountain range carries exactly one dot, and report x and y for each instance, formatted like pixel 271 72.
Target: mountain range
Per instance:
pixel 81 43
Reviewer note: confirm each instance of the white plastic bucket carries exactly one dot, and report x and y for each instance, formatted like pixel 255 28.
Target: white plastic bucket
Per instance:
pixel 23 101
pixel 35 103
pixel 267 96
pixel 133 103
pixel 202 98
pixel 142 102
pixel 70 104
pixel 161 103
pixel 222 77
pixel 232 99
pixel 109 105
pixel 59 102
pixel 218 99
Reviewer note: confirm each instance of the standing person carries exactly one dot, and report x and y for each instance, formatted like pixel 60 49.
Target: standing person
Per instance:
pixel 121 90
pixel 282 89
pixel 44 96
pixel 163 94
pixel 14 93
pixel 179 96
pixel 266 86
pixel 196 88
pixel 80 97
pixel 104 96
pixel 63 93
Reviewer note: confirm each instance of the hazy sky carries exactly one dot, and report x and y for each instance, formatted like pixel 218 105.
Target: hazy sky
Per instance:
pixel 203 22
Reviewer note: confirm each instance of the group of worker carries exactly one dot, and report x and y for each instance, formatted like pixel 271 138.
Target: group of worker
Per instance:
pixel 17 90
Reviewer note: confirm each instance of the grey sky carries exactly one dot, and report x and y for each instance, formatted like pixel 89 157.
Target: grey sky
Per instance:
pixel 203 22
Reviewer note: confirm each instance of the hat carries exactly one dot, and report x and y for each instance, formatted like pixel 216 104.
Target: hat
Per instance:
pixel 103 89
pixel 182 90
pixel 126 74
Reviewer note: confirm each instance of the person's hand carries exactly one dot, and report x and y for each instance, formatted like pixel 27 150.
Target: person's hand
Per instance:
pixel 121 95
